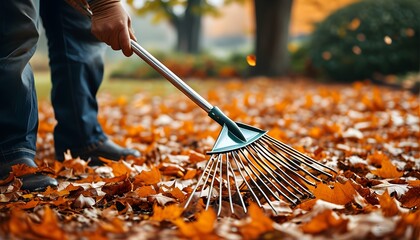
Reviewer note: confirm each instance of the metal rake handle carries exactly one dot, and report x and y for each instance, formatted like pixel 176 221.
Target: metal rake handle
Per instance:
pixel 170 76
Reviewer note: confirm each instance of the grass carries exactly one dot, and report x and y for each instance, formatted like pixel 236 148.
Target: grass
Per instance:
pixel 124 87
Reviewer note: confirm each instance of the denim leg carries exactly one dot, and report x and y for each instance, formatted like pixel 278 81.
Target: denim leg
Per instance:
pixel 18 110
pixel 76 62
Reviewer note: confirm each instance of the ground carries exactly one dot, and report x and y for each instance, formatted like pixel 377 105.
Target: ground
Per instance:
pixel 368 134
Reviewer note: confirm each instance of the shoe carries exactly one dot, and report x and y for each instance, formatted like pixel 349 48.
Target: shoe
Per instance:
pixel 32 182
pixel 108 150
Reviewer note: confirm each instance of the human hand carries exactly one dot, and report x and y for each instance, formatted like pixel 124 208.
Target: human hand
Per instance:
pixel 112 25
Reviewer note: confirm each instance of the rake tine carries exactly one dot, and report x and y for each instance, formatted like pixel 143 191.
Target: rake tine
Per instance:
pixel 212 182
pixel 284 161
pixel 306 171
pixel 200 179
pixel 266 178
pixel 257 186
pixel 228 183
pixel 237 189
pixel 220 186
pixel 270 171
pixel 292 151
pixel 235 155
pixel 281 176
pixel 281 162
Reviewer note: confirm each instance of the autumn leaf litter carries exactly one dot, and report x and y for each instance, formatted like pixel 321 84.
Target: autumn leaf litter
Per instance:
pixel 367 133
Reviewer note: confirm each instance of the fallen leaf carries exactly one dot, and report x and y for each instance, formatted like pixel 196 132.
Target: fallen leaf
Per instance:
pixel 387 170
pixel 49 227
pixel 145 191
pixel 388 205
pixel 411 198
pixel 338 194
pixel 167 213
pixel 325 221
pixel 149 177
pixel 202 228
pixel 256 224
pixel 83 202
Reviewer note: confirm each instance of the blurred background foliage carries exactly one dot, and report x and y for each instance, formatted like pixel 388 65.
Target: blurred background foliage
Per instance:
pixel 341 40
pixel 368 39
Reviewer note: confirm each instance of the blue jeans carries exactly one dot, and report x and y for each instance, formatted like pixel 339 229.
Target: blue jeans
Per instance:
pixel 76 67
pixel 76 62
pixel 18 103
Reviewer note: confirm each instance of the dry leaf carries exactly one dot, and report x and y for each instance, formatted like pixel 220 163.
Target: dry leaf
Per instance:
pixel 338 194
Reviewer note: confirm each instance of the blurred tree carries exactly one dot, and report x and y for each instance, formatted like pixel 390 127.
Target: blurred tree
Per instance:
pixel 184 16
pixel 272 35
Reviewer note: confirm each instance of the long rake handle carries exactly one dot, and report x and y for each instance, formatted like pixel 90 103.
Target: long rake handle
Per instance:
pixel 170 76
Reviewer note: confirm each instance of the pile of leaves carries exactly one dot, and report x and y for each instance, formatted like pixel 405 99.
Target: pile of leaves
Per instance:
pixel 369 135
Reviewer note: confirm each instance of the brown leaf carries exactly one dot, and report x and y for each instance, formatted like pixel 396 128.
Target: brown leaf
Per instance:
pixel 411 198
pixel 118 188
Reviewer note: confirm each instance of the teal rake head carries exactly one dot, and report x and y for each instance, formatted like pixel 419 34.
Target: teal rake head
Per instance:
pixel 245 161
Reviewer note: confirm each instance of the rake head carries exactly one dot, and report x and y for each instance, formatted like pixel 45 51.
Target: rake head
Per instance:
pixel 261 168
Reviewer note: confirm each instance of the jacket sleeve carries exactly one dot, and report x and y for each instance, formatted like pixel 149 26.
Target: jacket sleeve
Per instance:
pixel 80 5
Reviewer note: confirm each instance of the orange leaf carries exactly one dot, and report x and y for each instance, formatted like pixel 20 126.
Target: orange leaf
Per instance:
pixel 323 222
pixel 387 170
pixel 22 169
pixel 388 205
pixel 118 168
pixel 200 229
pixel 339 194
pixel 178 194
pixel 376 158
pixel 258 223
pixel 49 227
pixel 196 157
pixel 168 213
pixel 116 225
pixel 190 174
pixel 145 191
pixel 149 177
pixel 31 204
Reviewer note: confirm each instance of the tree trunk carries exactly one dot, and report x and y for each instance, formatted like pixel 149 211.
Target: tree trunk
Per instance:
pixel 189 28
pixel 272 35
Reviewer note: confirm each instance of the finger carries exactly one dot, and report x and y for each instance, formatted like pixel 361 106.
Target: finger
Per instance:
pixel 132 36
pixel 124 38
pixel 113 41
pixel 131 30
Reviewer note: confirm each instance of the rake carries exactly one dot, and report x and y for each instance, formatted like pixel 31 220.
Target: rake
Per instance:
pixel 244 159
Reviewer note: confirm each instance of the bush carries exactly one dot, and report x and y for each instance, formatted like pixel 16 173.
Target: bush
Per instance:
pixel 186 66
pixel 368 37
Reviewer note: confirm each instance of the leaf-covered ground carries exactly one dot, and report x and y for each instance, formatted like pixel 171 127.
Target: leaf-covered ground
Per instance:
pixel 370 135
